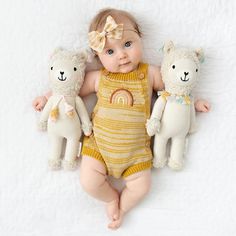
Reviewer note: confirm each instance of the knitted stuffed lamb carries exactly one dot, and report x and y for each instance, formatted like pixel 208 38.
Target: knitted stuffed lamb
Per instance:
pixel 173 115
pixel 65 111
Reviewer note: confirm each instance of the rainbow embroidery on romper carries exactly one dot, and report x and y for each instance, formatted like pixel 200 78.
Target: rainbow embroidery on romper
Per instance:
pixel 122 97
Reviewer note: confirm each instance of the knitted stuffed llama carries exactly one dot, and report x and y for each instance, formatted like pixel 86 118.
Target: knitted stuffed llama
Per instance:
pixel 173 115
pixel 65 111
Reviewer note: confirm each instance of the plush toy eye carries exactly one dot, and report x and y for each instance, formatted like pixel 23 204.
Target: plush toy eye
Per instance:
pixel 75 69
pixel 52 68
pixel 196 70
pixel 173 66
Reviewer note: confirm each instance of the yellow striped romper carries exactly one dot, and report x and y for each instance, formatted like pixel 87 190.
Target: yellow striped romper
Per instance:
pixel 119 137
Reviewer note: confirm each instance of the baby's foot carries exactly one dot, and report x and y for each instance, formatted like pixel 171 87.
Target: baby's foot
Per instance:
pixel 113 209
pixel 115 224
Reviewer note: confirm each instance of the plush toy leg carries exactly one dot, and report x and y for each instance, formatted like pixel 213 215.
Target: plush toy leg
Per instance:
pixel 72 146
pixel 160 158
pixel 176 160
pixel 55 156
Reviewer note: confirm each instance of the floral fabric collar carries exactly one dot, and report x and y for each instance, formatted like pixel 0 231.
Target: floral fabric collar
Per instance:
pixel 181 99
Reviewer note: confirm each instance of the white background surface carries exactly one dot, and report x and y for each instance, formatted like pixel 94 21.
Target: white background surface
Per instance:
pixel 200 200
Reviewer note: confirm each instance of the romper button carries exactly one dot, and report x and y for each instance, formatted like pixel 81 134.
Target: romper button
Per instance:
pixel 106 72
pixel 141 76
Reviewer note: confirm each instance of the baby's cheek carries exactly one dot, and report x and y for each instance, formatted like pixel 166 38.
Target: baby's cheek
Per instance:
pixel 111 66
pixel 137 55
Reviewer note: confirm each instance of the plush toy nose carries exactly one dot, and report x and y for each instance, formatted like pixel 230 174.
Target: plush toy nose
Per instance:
pixel 186 73
pixel 61 72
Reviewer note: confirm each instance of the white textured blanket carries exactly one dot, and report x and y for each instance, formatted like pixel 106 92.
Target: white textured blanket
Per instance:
pixel 200 200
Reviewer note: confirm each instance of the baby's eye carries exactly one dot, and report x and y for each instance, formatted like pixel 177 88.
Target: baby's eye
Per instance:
pixel 52 68
pixel 75 69
pixel 196 70
pixel 173 67
pixel 128 44
pixel 109 51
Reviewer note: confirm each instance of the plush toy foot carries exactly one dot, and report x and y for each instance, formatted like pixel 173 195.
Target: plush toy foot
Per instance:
pixel 70 165
pixel 159 163
pixel 175 165
pixel 54 164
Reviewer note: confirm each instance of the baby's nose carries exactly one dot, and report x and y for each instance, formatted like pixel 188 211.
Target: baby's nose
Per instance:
pixel 122 55
pixel 61 72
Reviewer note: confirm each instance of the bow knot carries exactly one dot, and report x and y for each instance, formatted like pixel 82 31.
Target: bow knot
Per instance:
pixel 112 30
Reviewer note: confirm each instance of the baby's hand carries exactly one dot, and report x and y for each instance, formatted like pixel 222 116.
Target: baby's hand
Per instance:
pixel 153 126
pixel 39 103
pixel 202 106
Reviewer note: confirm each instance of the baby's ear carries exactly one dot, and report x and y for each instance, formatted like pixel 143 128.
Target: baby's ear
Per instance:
pixel 200 54
pixel 168 47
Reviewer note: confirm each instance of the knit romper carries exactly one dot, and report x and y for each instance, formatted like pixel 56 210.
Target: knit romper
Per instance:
pixel 119 138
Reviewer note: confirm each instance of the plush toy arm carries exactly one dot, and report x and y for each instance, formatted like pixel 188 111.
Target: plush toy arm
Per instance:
pixel 42 125
pixel 153 124
pixel 193 125
pixel 84 116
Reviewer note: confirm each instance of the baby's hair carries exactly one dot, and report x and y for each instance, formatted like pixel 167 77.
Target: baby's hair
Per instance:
pixel 99 20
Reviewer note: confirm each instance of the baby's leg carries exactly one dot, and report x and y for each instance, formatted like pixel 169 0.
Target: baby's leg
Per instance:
pixel 93 179
pixel 137 186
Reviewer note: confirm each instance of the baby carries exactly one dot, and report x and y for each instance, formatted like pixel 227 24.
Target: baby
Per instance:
pixel 119 146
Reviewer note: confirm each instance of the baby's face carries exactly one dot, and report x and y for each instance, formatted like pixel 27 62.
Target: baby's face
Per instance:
pixel 122 55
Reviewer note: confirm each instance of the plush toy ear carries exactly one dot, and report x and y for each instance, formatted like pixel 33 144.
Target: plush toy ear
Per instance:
pixel 200 55
pixel 82 56
pixel 57 50
pixel 168 47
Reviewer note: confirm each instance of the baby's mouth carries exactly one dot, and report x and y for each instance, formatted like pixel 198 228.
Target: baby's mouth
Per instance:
pixel 125 64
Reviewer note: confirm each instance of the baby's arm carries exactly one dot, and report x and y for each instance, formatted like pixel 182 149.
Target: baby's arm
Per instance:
pixel 154 75
pixel 157 85
pixel 90 84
